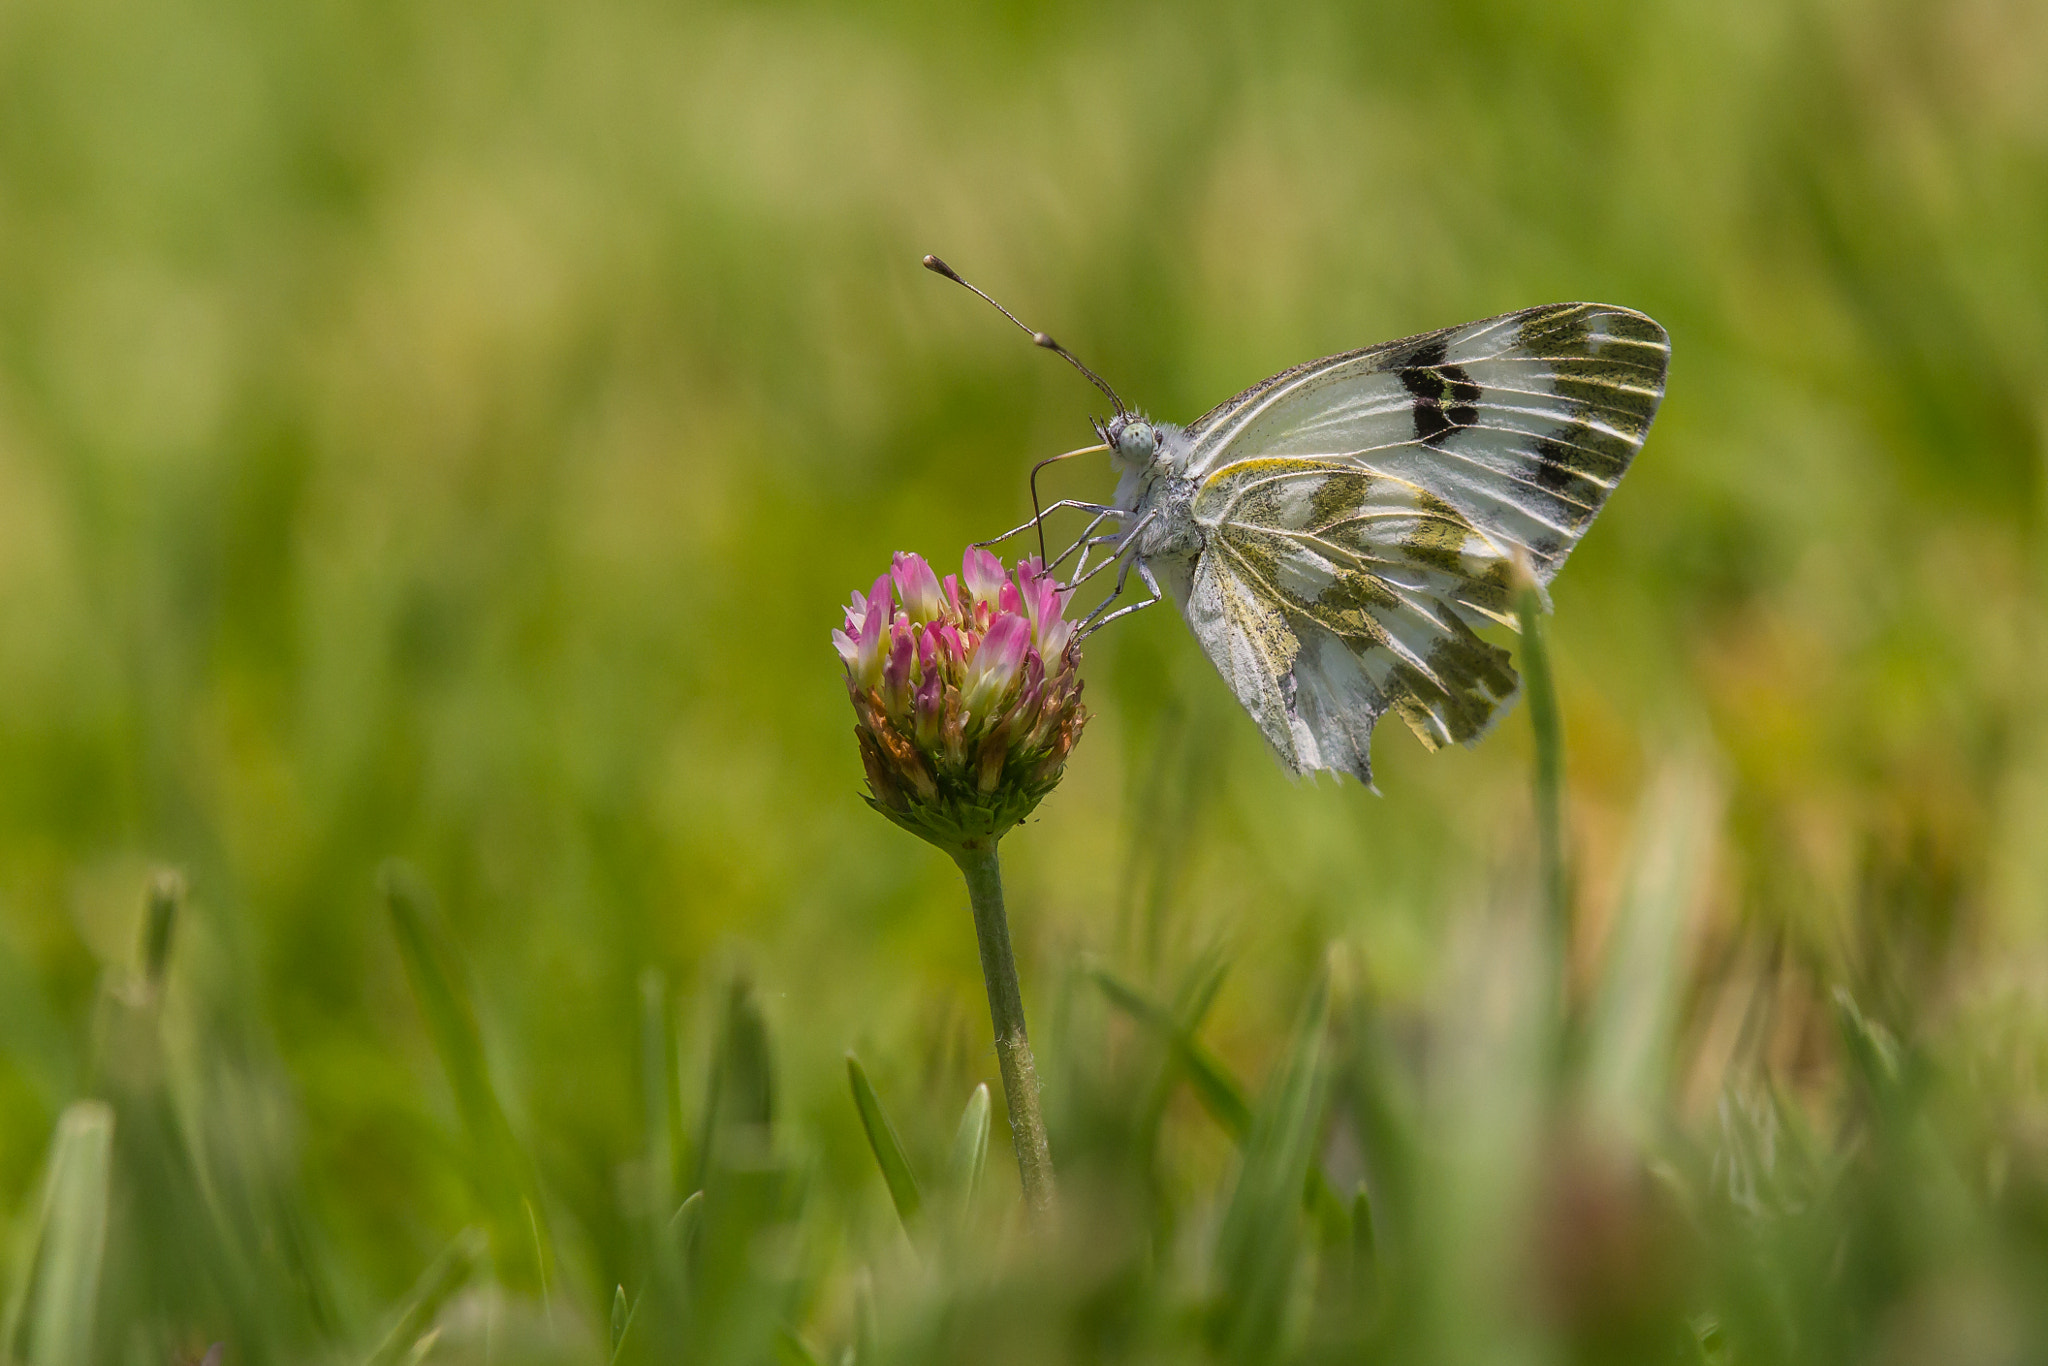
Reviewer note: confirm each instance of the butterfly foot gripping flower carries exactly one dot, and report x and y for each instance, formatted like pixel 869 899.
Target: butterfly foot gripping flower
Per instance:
pixel 966 694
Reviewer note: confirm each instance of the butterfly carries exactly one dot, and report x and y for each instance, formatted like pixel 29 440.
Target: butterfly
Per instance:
pixel 1336 536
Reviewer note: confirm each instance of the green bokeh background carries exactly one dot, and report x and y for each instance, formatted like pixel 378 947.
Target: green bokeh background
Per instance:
pixel 446 431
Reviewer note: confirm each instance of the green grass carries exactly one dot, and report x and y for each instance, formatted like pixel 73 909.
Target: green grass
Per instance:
pixel 433 444
pixel 1500 1206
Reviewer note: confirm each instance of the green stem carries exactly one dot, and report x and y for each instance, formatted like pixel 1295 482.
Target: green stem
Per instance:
pixel 1006 1011
pixel 1549 792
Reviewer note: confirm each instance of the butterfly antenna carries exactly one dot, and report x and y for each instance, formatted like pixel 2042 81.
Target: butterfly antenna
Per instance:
pixel 938 267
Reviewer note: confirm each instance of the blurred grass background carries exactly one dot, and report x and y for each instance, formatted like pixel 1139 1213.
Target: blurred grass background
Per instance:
pixel 446 431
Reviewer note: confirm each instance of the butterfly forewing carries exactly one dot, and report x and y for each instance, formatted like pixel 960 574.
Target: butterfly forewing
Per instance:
pixel 1361 514
pixel 1522 423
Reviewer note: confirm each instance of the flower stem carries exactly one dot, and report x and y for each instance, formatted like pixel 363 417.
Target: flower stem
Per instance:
pixel 1006 1011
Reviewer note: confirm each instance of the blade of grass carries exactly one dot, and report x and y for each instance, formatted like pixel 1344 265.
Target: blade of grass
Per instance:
pixel 445 1275
pixel 1370 1078
pixel 622 1319
pixel 1364 1246
pixel 970 1147
pixel 739 1096
pixel 1549 775
pixel 657 1091
pixel 1626 1044
pixel 790 1350
pixel 682 1225
pixel 665 1253
pixel 51 1313
pixel 504 1177
pixel 1871 1046
pixel 887 1148
pixel 1876 1060
pixel 1218 1092
pixel 1259 1244
pixel 867 1333
pixel 1191 1004
pixel 160 916
pixel 203 1210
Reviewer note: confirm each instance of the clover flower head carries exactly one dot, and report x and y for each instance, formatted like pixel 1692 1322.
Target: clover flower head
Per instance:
pixel 966 693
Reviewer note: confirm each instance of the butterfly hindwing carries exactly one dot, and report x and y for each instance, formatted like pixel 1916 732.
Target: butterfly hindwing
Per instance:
pixel 1361 515
pixel 1248 637
pixel 1376 587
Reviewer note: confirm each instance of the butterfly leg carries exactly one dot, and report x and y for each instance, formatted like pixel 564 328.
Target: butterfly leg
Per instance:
pixel 1123 575
pixel 1086 546
pixel 1100 509
pixel 1096 621
pixel 1082 542
pixel 1125 536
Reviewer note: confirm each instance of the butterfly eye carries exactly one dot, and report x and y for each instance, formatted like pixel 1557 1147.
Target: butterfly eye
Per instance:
pixel 1137 442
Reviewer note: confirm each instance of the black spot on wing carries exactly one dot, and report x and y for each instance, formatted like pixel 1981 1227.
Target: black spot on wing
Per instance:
pixel 1606 372
pixel 1431 426
pixel 1446 399
pixel 1559 470
pixel 1462 409
pixel 1424 386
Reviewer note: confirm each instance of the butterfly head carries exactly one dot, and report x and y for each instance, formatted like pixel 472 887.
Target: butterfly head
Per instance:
pixel 1132 440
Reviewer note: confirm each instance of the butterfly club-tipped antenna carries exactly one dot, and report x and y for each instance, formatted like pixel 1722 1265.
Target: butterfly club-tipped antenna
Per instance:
pixel 938 267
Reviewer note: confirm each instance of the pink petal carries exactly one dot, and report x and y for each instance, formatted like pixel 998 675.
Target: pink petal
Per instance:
pixel 855 610
pixel 1041 600
pixel 1029 576
pixel 928 710
pixel 916 585
pixel 868 660
pixel 953 650
pixel 1034 672
pixel 1052 641
pixel 995 664
pixel 896 673
pixel 983 573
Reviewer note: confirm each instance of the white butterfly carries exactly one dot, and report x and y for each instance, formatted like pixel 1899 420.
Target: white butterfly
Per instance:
pixel 1335 534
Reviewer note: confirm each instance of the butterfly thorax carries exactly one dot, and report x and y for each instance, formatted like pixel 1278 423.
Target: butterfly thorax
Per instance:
pixel 1165 524
pixel 1149 458
pixel 1156 490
